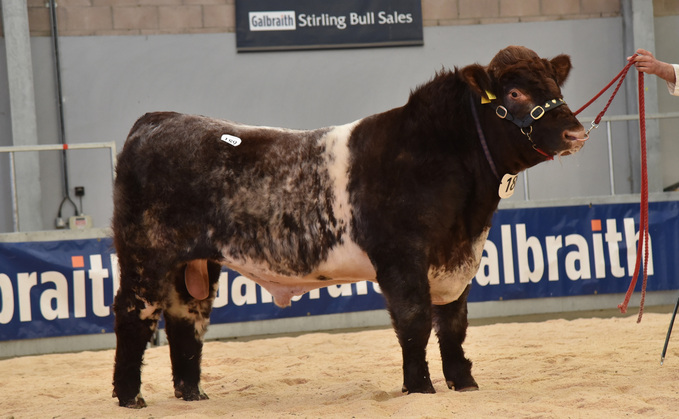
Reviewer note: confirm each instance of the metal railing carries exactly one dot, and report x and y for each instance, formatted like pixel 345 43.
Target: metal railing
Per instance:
pixel 615 118
pixel 49 147
pixel 609 143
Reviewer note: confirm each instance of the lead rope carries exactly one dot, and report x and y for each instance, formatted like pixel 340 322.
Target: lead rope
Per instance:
pixel 643 207
pixel 621 75
pixel 643 213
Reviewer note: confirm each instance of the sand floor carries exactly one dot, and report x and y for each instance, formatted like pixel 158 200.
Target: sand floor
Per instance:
pixel 584 368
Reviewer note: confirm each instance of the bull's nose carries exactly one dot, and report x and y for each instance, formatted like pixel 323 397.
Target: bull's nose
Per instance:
pixel 576 135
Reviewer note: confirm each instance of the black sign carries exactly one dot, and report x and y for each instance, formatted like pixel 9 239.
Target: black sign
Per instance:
pixel 309 24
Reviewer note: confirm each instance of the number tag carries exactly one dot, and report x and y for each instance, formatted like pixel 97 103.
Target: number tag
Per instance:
pixel 230 139
pixel 507 186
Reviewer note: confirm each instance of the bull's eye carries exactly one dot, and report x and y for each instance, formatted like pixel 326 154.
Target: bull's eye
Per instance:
pixel 516 95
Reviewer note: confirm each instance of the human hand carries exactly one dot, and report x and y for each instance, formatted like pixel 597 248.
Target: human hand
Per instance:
pixel 645 62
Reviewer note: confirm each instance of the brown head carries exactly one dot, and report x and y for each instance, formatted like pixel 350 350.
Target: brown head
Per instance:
pixel 525 91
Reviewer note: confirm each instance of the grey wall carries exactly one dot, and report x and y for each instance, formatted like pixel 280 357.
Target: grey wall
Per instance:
pixel 108 82
pixel 5 140
pixel 666 36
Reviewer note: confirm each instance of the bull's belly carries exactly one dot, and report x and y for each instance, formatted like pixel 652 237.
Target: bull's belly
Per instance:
pixel 348 263
pixel 345 263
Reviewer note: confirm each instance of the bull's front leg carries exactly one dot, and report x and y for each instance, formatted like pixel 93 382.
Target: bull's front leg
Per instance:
pixel 451 328
pixel 406 290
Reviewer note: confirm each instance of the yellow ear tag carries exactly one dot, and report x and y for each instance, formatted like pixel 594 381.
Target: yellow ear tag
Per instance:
pixel 486 99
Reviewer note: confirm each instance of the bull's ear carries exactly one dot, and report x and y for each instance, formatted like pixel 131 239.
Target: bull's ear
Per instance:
pixel 562 66
pixel 478 79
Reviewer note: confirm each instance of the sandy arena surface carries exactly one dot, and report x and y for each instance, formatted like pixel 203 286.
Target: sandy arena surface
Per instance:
pixel 584 368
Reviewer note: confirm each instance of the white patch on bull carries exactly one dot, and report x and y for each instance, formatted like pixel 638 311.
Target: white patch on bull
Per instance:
pixel 200 327
pixel 177 308
pixel 150 311
pixel 337 159
pixel 347 263
pixel 446 285
pixel 191 312
pixel 347 260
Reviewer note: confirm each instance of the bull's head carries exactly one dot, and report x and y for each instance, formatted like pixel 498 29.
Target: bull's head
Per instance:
pixel 524 90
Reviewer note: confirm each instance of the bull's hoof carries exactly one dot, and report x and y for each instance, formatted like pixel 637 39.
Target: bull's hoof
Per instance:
pixel 462 387
pixel 136 403
pixel 190 395
pixel 426 389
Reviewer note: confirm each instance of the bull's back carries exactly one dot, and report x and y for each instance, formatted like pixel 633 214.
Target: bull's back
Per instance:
pixel 170 159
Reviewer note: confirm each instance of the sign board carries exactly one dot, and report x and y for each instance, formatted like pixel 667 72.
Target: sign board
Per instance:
pixel 310 24
pixel 62 288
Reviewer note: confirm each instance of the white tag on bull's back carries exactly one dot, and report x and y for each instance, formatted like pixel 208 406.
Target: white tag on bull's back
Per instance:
pixel 507 186
pixel 230 139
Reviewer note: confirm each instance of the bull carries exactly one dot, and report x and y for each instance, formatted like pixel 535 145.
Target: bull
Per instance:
pixel 404 198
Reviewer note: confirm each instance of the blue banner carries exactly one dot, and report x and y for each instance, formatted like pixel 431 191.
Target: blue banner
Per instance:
pixel 56 288
pixel 575 250
pixel 63 288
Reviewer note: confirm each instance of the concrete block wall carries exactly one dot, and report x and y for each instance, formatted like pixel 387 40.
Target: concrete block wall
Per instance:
pixel 665 8
pixel 133 17
pixel 148 17
pixel 474 12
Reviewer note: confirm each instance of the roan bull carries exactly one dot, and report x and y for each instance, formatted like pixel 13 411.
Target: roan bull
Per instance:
pixel 404 198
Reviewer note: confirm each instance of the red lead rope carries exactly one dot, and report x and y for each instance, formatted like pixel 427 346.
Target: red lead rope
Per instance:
pixel 643 210
pixel 621 75
pixel 643 213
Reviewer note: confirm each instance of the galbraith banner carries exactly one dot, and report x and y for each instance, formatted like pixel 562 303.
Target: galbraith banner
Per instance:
pixel 311 24
pixel 63 288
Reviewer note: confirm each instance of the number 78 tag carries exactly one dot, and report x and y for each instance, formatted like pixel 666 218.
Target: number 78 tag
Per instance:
pixel 507 186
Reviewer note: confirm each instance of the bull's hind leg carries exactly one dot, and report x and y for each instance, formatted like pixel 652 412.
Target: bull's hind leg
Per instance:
pixel 136 321
pixel 186 323
pixel 451 328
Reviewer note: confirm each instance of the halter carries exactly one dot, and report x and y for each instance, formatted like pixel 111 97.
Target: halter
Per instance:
pixel 526 124
pixel 535 114
pixel 508 181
